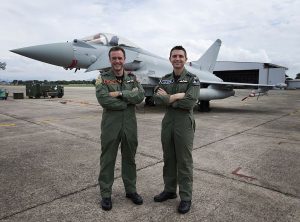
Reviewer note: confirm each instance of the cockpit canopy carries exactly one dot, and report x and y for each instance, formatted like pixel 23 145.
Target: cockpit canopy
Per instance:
pixel 108 39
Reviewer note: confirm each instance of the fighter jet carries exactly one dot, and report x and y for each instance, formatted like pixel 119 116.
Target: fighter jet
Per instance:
pixel 91 53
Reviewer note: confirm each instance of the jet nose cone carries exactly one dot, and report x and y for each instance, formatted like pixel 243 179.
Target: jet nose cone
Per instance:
pixel 60 54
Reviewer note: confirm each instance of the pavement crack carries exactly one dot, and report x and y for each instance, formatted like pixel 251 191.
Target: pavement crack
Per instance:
pixel 275 137
pixel 19 118
pixel 49 201
pixel 68 194
pixel 53 127
pixel 240 132
pixel 150 156
pixel 245 182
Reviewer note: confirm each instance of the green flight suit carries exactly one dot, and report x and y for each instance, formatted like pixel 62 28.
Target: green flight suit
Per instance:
pixel 118 125
pixel 177 134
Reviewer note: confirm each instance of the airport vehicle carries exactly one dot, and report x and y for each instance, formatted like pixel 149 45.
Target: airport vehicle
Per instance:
pixel 36 90
pixel 3 94
pixel 91 53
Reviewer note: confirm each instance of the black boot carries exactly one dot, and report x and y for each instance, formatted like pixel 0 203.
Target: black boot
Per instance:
pixel 135 198
pixel 163 196
pixel 106 203
pixel 184 206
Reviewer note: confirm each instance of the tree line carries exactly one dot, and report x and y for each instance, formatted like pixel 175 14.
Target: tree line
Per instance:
pixel 57 82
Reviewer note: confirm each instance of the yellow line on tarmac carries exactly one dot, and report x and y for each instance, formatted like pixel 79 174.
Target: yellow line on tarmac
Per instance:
pixel 7 124
pixel 296 112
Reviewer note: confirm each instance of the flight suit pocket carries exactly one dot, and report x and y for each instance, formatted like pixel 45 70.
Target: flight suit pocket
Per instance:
pixel 193 123
pixel 128 86
pixel 113 88
pixel 168 89
pixel 166 122
pixel 182 87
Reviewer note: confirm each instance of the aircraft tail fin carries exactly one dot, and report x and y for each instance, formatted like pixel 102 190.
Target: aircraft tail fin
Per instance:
pixel 208 60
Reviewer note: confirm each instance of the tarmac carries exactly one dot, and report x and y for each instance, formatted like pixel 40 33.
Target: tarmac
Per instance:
pixel 246 160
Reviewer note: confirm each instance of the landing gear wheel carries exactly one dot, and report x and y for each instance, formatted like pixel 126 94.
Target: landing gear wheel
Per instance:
pixel 203 106
pixel 149 101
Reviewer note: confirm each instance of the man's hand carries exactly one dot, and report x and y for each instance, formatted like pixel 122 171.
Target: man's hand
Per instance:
pixel 161 92
pixel 114 94
pixel 173 97
pixel 176 96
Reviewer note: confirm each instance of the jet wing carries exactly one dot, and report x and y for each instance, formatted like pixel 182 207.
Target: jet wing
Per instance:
pixel 231 85
pixel 226 85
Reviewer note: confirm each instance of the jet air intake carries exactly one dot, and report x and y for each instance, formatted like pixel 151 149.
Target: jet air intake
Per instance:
pixel 132 66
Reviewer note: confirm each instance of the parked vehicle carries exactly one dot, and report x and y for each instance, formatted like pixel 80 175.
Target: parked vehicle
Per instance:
pixel 3 94
pixel 36 90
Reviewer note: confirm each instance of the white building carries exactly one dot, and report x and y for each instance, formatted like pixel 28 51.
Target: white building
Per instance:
pixel 293 84
pixel 250 72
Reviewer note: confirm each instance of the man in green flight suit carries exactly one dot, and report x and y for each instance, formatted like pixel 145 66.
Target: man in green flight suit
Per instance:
pixel 179 91
pixel 118 92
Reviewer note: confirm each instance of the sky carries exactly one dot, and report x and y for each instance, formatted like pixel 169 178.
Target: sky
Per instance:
pixel 250 30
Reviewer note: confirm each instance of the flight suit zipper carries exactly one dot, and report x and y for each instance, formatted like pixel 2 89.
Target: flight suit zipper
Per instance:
pixel 123 112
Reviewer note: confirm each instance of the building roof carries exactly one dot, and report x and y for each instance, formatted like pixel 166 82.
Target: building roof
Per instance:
pixel 266 65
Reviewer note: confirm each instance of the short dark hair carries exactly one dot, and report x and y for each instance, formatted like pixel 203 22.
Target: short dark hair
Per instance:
pixel 178 47
pixel 116 48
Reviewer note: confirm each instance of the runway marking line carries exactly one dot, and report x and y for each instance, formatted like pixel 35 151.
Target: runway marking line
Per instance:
pixel 296 112
pixel 7 124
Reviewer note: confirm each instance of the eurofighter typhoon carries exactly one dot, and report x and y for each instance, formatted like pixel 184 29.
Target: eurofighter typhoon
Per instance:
pixel 91 53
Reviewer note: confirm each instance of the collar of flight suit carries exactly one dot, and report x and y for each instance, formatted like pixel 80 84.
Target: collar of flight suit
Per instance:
pixel 125 74
pixel 182 75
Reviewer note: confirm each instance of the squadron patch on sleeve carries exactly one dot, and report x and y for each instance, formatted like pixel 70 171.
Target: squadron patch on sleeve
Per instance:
pixel 98 80
pixel 135 79
pixel 196 81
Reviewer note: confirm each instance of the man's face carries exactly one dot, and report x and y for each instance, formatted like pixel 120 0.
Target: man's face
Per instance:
pixel 117 61
pixel 178 59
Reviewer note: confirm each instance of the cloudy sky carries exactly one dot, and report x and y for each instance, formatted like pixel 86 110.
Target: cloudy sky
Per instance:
pixel 250 30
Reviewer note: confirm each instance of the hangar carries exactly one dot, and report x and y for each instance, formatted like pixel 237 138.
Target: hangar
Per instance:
pixel 293 84
pixel 250 72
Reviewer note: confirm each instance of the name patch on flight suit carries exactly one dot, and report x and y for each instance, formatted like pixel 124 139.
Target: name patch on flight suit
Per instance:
pixel 183 81
pixel 130 81
pixel 166 81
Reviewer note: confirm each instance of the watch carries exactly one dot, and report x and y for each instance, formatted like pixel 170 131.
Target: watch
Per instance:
pixel 120 94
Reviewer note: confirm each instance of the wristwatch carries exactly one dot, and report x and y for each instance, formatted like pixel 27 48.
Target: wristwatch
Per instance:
pixel 120 94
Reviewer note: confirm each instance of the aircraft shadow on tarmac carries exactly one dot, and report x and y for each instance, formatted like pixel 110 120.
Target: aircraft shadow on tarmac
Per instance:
pixel 218 109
